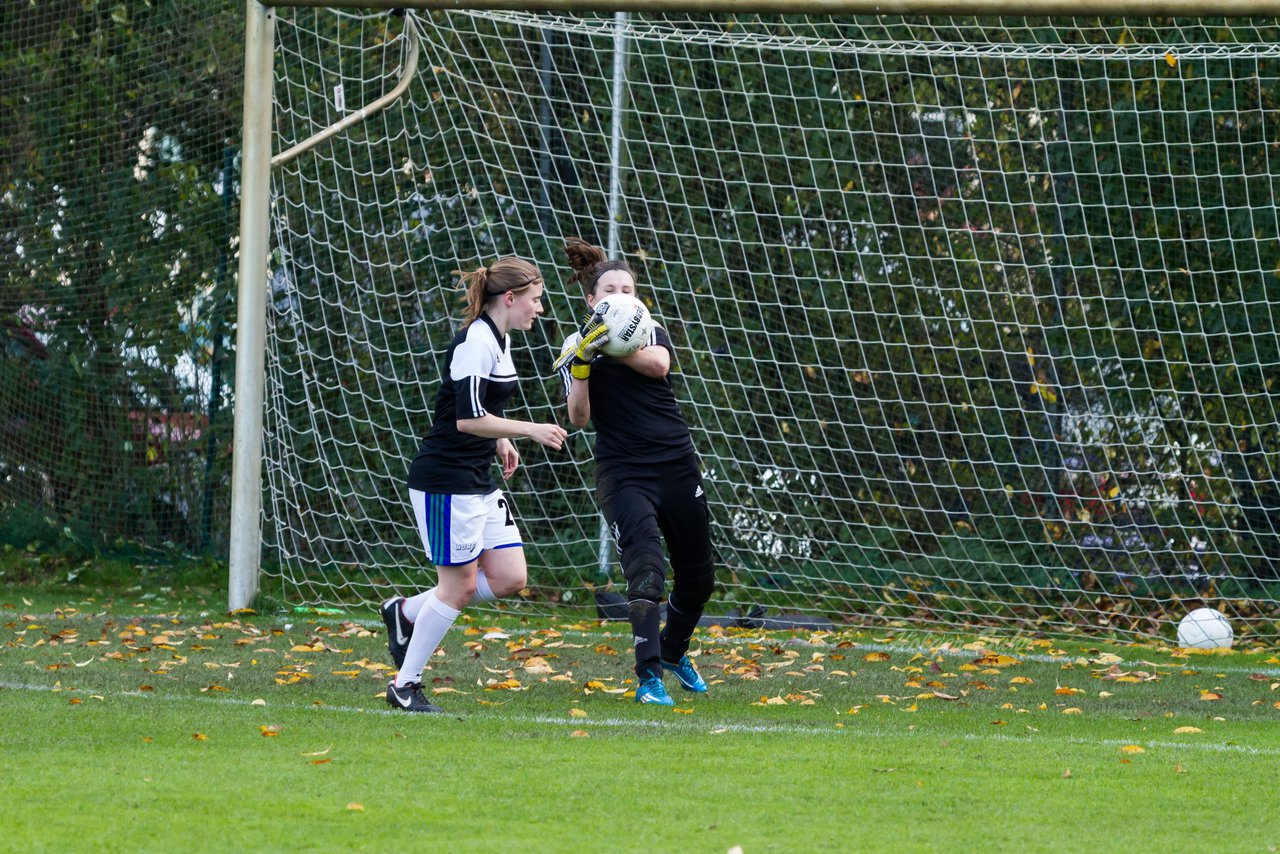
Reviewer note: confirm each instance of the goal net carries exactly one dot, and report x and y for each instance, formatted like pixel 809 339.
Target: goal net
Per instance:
pixel 975 319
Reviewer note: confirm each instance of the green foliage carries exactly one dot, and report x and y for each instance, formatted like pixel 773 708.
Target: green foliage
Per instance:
pixel 115 301
pixel 997 320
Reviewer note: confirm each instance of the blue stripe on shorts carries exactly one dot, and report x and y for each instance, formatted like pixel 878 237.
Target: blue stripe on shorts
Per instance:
pixel 438 518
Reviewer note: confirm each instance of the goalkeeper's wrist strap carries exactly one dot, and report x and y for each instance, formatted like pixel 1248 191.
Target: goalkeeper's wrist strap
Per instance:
pixel 580 370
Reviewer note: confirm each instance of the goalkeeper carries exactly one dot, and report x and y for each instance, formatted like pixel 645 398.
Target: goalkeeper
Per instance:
pixel 648 480
pixel 465 521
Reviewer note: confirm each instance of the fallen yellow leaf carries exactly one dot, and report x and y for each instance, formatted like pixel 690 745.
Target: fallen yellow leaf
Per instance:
pixel 1186 729
pixel 577 713
pixel 1132 748
pixel 504 685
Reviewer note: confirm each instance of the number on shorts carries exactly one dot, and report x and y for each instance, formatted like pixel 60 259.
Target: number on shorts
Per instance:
pixel 502 503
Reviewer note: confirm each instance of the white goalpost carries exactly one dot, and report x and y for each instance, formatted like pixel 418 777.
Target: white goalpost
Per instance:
pixel 975 316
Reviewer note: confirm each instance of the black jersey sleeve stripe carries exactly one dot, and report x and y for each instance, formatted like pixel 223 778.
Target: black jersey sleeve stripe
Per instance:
pixel 567 379
pixel 468 394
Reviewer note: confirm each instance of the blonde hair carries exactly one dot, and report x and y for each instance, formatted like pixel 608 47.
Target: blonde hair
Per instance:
pixel 590 262
pixel 508 273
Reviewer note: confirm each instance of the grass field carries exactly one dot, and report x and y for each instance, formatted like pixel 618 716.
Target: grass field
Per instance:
pixel 141 721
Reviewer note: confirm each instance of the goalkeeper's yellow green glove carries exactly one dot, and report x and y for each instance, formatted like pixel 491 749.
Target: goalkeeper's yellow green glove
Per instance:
pixel 592 335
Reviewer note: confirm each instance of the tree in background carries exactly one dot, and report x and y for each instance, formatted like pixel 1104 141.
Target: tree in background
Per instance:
pixel 116 234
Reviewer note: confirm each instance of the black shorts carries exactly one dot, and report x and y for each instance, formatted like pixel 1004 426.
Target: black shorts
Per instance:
pixel 647 505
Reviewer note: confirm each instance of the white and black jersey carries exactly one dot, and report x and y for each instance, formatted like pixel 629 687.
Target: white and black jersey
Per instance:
pixel 636 418
pixel 478 378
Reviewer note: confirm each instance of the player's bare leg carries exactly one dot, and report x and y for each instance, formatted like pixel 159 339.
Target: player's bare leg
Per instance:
pixel 505 571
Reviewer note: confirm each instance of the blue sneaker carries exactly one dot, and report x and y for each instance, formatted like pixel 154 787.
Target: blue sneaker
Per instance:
pixel 690 678
pixel 653 692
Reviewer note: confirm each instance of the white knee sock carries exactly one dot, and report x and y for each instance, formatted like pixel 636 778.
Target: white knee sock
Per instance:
pixel 434 619
pixel 412 606
pixel 484 593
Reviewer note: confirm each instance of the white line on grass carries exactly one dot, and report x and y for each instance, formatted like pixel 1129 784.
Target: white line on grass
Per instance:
pixel 677 726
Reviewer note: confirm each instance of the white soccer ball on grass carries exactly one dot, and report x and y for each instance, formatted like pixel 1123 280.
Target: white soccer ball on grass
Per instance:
pixel 629 322
pixel 1205 628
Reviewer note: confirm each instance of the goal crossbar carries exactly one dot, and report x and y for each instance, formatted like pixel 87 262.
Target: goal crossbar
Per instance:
pixel 968 8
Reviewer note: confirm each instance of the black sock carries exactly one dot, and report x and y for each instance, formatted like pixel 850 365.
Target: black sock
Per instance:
pixel 675 635
pixel 645 621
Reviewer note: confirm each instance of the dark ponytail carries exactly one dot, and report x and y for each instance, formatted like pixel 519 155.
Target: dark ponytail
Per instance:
pixel 590 262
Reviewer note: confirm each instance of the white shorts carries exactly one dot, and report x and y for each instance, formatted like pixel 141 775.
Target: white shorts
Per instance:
pixel 456 528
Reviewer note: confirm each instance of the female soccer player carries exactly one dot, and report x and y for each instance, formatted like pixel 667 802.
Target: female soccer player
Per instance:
pixel 648 481
pixel 465 521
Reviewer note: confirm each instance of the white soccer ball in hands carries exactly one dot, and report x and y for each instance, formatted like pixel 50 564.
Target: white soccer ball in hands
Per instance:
pixel 629 322
pixel 1205 628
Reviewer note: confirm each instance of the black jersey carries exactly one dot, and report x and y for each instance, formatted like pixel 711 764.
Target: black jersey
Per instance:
pixel 478 377
pixel 637 418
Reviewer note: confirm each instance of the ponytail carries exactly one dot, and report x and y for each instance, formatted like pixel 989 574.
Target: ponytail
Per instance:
pixel 590 262
pixel 493 280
